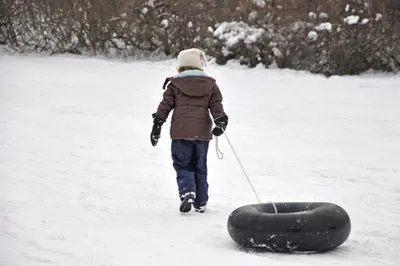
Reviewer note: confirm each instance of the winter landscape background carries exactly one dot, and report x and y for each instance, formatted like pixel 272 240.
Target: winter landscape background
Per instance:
pixel 80 183
pixel 330 37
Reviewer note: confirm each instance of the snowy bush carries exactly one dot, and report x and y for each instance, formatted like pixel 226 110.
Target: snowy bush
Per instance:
pixel 329 37
pixel 237 40
pixel 334 36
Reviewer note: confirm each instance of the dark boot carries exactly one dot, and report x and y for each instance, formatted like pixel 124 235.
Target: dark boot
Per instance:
pixel 200 209
pixel 186 202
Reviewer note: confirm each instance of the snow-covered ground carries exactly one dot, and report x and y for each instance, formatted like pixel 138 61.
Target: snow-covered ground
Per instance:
pixel 80 183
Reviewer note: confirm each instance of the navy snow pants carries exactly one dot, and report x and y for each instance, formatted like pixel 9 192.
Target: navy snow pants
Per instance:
pixel 190 163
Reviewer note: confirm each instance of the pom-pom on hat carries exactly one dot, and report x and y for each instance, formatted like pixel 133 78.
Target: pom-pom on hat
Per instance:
pixel 192 58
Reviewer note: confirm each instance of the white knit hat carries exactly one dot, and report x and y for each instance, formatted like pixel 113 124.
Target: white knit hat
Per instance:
pixel 192 58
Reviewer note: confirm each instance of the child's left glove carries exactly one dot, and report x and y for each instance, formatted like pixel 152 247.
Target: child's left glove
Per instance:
pixel 156 130
pixel 221 124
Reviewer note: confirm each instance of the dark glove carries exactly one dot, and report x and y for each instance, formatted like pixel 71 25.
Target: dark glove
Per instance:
pixel 156 130
pixel 221 124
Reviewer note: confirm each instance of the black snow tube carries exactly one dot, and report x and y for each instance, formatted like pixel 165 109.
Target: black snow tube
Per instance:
pixel 297 227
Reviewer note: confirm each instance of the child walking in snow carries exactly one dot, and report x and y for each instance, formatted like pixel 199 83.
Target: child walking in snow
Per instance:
pixel 193 95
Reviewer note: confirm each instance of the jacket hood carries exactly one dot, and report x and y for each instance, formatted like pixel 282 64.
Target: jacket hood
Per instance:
pixel 193 83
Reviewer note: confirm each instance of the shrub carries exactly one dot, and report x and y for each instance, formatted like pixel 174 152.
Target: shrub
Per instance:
pixel 333 37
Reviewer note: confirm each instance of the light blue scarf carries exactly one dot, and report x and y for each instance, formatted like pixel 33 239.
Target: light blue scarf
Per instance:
pixel 191 73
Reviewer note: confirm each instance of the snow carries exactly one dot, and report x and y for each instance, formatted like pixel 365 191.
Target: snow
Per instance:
pixel 150 3
pixel 145 10
pixel 233 32
pixel 80 183
pixel 312 35
pixel 312 15
pixel 253 15
pixel 225 51
pixel 364 21
pixel 165 23
pixel 353 19
pixel 277 52
pixel 323 15
pixel 259 3
pixel 324 26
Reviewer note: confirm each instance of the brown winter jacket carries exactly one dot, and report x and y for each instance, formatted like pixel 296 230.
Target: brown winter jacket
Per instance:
pixel 192 97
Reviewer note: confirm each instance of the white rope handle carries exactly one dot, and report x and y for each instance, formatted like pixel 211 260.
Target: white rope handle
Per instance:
pixel 221 156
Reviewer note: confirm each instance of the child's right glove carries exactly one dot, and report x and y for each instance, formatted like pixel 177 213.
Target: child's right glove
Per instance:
pixel 156 130
pixel 221 124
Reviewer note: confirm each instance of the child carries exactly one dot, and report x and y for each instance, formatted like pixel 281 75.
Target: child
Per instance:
pixel 192 94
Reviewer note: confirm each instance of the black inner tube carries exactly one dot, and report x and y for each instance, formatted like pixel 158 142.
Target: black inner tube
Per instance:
pixel 298 226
